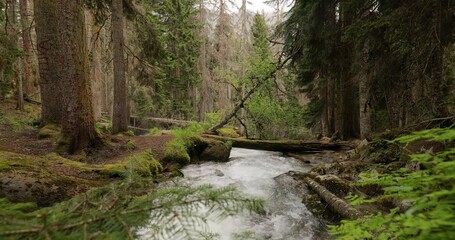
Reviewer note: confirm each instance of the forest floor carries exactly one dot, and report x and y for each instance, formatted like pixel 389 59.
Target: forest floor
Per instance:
pixel 31 168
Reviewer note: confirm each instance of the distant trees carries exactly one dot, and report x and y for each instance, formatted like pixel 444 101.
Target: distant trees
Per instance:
pixel 370 65
pixel 168 38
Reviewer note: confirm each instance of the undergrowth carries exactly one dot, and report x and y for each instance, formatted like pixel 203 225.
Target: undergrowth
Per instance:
pixel 430 190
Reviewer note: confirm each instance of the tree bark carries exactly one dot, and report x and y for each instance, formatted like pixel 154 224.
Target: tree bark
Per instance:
pixel 47 38
pixel 78 120
pixel 437 63
pixel 120 113
pixel 28 80
pixel 364 95
pixel 206 100
pixel 95 50
pixel 12 34
pixel 338 204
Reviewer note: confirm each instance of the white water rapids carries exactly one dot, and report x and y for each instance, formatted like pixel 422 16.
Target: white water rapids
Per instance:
pixel 252 173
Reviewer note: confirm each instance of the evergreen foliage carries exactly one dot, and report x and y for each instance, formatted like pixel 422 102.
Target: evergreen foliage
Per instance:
pixel 399 49
pixel 125 210
pixel 168 38
pixel 430 191
pixel 270 115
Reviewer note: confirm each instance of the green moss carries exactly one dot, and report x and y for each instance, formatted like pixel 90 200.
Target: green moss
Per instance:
pixel 15 161
pixel 176 151
pixel 50 131
pixel 143 164
pixel 154 132
pixel 183 146
pixel 129 133
pixel 228 132
pixel 56 158
pixel 130 145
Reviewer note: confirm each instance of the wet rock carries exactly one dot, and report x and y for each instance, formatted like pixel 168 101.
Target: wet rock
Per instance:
pixel 216 151
pixel 219 173
pixel 294 182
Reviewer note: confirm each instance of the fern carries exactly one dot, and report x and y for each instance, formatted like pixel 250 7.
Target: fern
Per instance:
pixel 430 190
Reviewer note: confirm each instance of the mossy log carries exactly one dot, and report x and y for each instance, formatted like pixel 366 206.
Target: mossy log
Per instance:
pixel 282 146
pixel 339 205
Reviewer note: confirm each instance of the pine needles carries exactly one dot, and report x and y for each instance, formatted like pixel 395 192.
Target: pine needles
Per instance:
pixel 121 211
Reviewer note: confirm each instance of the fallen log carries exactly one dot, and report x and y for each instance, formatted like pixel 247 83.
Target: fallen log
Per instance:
pixel 149 122
pixel 258 82
pixel 339 205
pixel 281 146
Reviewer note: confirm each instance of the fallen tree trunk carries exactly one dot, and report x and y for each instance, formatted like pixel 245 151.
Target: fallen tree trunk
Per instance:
pixel 257 84
pixel 234 111
pixel 149 122
pixel 281 146
pixel 339 205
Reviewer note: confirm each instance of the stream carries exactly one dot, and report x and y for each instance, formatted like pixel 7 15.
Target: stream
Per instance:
pixel 252 172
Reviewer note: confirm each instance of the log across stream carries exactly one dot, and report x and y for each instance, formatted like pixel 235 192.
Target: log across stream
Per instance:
pixel 283 145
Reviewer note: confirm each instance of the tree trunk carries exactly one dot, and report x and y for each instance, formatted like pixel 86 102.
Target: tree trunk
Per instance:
pixel 12 35
pixel 206 100
pixel 120 113
pixel 282 146
pixel 95 48
pixel 349 86
pixel 78 120
pixel 47 37
pixel 28 80
pixel 437 63
pixel 338 204
pixel 364 95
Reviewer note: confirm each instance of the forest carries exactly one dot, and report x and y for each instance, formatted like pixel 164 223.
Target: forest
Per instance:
pixel 185 119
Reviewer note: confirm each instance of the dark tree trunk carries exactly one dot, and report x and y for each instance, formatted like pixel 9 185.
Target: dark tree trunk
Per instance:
pixel 437 63
pixel 78 119
pixel 47 38
pixel 28 80
pixel 349 87
pixel 120 113
pixel 364 95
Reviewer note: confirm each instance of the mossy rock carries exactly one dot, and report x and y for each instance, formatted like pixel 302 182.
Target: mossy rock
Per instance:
pixel 382 151
pixel 176 151
pixel 228 132
pixel 216 151
pixel 143 164
pixel 50 131
pixel 184 148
